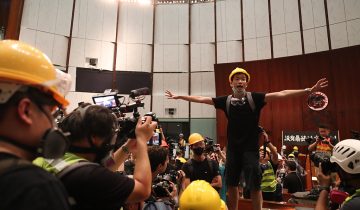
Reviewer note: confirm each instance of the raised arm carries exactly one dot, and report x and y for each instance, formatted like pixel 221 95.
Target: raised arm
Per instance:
pixel 196 99
pixel 142 171
pixel 273 150
pixel 322 83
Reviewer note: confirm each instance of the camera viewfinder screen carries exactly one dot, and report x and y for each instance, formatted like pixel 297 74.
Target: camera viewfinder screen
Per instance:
pixel 107 101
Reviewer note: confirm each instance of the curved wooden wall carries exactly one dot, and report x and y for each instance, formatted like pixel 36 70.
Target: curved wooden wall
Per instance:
pixel 341 67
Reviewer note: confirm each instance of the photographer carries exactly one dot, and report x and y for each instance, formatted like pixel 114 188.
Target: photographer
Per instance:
pixel 323 143
pixel 92 186
pixel 322 147
pixel 346 156
pixel 268 165
pixel 30 89
pixel 163 190
pixel 199 167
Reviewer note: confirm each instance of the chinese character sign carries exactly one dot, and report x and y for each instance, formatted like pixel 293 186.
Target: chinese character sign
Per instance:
pixel 299 137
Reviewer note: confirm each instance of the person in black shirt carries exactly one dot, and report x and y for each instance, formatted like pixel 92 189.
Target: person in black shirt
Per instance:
pixel 243 114
pixel 30 89
pixel 292 182
pixel 92 186
pixel 199 167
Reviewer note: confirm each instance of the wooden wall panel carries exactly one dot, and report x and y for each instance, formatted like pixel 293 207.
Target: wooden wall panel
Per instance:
pixel 14 21
pixel 341 67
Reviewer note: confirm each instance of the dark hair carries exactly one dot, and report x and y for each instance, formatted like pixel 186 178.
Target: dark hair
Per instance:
pixel 157 156
pixel 35 95
pixel 325 126
pixel 96 121
pixel 291 164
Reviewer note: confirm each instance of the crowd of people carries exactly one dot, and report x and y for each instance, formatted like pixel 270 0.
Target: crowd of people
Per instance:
pixel 77 163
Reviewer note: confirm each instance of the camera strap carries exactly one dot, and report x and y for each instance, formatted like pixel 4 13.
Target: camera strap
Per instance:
pixel 249 98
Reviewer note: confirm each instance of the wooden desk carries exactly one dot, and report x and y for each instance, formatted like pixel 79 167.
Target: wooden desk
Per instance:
pixel 245 204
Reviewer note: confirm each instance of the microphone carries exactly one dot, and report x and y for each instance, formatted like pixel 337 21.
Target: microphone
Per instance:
pixel 139 92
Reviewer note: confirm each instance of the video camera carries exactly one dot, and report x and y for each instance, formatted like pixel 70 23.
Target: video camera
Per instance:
pixel 111 99
pixel 210 146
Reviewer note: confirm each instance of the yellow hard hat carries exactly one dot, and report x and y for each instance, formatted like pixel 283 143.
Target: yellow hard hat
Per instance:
pixel 195 137
pixel 291 155
pixel 295 148
pixel 199 195
pixel 23 64
pixel 223 205
pixel 237 71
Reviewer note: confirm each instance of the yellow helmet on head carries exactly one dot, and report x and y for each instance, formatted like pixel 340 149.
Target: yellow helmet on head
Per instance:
pixel 295 148
pixel 195 137
pixel 238 71
pixel 22 64
pixel 291 155
pixel 199 195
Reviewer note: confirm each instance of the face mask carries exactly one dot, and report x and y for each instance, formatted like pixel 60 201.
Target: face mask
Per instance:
pixel 238 91
pixel 198 150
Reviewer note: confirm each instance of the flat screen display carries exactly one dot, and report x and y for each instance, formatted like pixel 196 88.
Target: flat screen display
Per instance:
pixel 107 101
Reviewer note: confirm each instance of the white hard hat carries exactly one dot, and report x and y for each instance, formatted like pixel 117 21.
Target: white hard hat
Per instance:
pixel 346 154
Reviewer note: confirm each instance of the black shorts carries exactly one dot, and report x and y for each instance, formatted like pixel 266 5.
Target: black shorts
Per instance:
pixel 245 164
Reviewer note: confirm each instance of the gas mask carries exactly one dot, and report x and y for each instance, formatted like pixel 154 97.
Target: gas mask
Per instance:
pixel 238 91
pixel 53 144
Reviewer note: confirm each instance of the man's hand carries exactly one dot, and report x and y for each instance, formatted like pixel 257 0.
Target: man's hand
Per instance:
pixel 324 180
pixel 322 83
pixel 170 95
pixel 144 131
pixel 174 192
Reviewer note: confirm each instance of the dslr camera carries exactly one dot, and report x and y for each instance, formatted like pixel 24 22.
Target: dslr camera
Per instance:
pixel 324 159
pixel 210 146
pixel 162 184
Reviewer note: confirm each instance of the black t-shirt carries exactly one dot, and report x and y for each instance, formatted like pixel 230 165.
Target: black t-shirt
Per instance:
pixel 201 170
pixel 95 187
pixel 352 204
pixel 293 183
pixel 242 129
pixel 30 187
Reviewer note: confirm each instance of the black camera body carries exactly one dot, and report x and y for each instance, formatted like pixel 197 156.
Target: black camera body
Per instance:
pixel 162 189
pixel 324 159
pixel 210 146
pixel 128 125
pixel 162 184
